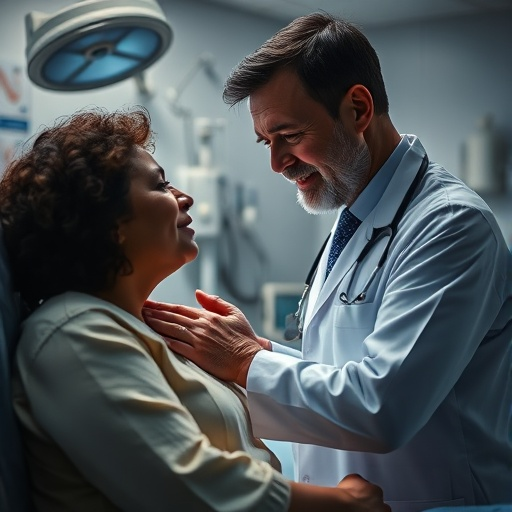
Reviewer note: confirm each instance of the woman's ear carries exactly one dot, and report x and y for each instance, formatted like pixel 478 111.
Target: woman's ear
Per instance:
pixel 357 104
pixel 119 235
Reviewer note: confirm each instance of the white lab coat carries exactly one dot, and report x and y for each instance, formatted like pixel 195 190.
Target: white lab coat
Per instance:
pixel 411 389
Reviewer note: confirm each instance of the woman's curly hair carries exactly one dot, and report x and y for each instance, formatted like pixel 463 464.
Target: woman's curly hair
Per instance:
pixel 62 199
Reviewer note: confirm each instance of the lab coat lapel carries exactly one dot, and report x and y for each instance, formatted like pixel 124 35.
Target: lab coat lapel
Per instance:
pixel 380 216
pixel 385 210
pixel 321 290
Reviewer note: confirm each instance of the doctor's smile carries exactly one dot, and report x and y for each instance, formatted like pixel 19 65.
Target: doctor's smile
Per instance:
pixel 305 180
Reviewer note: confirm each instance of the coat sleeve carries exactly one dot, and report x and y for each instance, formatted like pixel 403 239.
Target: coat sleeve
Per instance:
pixel 282 348
pixel 445 286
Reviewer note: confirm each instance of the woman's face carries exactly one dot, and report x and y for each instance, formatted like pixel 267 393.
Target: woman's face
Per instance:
pixel 156 239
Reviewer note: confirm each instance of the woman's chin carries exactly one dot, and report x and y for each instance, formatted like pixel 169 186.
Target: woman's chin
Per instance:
pixel 191 255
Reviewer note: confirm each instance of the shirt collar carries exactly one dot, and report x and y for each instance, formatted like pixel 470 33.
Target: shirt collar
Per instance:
pixel 371 194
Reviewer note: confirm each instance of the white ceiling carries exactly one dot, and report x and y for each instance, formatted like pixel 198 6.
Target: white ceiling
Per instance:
pixel 370 13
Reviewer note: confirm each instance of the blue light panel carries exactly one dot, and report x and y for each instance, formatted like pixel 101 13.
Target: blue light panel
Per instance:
pixel 102 57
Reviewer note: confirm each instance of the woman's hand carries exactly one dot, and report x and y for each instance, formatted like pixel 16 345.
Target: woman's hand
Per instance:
pixel 218 338
pixel 365 496
pixel 353 494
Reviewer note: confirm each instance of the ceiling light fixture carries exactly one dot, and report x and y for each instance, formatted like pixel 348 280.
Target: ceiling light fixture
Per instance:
pixel 95 43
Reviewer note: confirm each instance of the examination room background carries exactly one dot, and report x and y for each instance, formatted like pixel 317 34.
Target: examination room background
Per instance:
pixel 442 76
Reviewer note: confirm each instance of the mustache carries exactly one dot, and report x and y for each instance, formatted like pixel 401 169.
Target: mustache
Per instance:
pixel 298 171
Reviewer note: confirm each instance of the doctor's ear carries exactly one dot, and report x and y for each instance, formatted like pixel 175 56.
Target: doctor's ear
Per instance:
pixel 357 104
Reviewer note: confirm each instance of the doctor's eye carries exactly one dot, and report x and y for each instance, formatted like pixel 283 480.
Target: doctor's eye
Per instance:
pixel 265 142
pixel 292 138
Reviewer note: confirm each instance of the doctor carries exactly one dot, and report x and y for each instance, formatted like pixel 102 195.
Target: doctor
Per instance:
pixel 404 375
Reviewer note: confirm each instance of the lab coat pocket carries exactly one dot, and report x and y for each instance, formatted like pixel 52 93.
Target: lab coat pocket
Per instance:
pixel 356 316
pixel 352 325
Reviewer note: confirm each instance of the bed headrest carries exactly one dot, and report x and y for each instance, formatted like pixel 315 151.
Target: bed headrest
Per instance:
pixel 14 495
pixel 9 303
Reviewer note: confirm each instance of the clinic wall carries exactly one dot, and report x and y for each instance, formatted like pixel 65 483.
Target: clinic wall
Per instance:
pixel 441 77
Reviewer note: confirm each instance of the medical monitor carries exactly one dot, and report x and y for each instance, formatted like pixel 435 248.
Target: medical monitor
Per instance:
pixel 279 300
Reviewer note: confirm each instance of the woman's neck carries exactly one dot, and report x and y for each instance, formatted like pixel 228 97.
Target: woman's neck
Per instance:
pixel 126 294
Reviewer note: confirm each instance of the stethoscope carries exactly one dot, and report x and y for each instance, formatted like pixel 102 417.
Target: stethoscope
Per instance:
pixel 295 321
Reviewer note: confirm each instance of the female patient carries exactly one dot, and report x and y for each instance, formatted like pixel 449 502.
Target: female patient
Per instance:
pixel 111 419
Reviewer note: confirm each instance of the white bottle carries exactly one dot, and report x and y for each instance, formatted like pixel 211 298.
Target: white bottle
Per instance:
pixel 482 166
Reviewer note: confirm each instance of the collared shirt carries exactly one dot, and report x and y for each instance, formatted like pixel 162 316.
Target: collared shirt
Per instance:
pixel 372 193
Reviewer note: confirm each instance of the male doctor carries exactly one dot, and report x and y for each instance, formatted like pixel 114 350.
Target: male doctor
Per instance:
pixel 404 375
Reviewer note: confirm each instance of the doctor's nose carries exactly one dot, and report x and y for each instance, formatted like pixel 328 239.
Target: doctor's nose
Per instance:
pixel 280 159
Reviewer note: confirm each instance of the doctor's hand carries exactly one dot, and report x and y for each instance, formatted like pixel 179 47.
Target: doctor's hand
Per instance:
pixel 218 338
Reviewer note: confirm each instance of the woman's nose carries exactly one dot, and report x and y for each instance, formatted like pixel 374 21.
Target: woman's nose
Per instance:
pixel 184 200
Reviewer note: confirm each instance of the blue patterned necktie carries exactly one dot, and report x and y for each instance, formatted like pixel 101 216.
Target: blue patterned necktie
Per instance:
pixel 347 226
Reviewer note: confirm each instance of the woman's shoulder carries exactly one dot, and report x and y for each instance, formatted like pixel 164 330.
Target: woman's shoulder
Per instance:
pixel 68 313
pixel 65 307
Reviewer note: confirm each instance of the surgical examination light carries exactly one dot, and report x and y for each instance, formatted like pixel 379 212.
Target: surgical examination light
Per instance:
pixel 95 43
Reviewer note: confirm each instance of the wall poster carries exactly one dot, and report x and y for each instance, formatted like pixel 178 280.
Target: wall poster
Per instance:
pixel 14 110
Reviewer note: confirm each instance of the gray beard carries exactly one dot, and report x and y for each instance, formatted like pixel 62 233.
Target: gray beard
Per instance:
pixel 349 166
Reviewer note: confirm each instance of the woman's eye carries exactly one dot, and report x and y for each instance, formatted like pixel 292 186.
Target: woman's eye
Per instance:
pixel 164 185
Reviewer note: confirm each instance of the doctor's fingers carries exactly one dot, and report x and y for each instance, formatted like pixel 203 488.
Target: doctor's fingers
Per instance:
pixel 213 357
pixel 201 329
pixel 159 318
pixel 173 327
pixel 216 304
pixel 170 331
pixel 151 306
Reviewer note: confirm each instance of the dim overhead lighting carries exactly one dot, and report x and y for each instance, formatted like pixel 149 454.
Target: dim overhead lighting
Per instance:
pixel 95 43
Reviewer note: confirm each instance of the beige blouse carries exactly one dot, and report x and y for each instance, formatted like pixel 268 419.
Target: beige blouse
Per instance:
pixel 113 420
